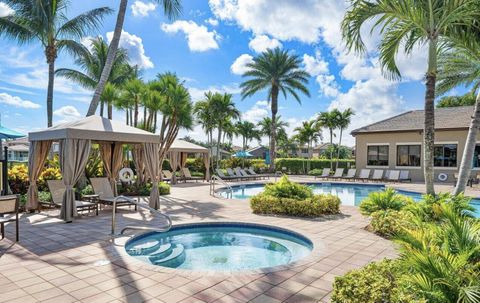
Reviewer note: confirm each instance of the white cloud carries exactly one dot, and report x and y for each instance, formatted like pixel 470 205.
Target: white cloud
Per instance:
pixel 198 94
pixel 262 42
pixel 257 112
pixel 212 21
pixel 5 10
pixel 66 114
pixel 239 66
pixel 142 9
pixel 198 37
pixel 17 101
pixel 134 46
pixel 328 85
pixel 315 65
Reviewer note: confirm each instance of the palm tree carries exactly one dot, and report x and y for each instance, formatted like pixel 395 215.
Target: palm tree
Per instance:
pixel 462 67
pixel 171 9
pixel 329 120
pixel 109 96
pixel 266 127
pixel 342 123
pixel 133 95
pixel 275 71
pixel 248 131
pixel 92 63
pixel 309 133
pixel 407 24
pixel 46 21
pixel 204 114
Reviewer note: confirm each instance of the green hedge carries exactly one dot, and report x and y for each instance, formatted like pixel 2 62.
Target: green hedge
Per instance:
pixel 299 165
pixel 257 164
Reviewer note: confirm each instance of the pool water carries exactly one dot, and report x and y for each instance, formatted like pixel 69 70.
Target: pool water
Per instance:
pixel 349 194
pixel 223 247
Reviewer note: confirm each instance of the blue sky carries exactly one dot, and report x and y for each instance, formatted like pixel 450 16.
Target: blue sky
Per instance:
pixel 208 46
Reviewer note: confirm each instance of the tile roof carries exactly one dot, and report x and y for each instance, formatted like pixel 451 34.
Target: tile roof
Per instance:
pixel 445 118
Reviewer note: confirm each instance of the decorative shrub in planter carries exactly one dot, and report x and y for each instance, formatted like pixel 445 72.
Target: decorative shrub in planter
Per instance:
pixel 293 199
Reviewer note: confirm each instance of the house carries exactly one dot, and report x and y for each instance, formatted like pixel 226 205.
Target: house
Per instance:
pixel 259 152
pixel 397 143
pixel 223 153
pixel 18 149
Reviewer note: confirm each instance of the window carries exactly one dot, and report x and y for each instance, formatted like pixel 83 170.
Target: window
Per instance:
pixel 476 156
pixel 408 155
pixel 377 155
pixel 445 155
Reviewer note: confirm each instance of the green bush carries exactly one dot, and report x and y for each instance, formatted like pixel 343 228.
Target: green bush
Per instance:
pixel 299 165
pixel 388 199
pixel 257 164
pixel 195 165
pixel 310 207
pixel 377 282
pixel 44 196
pixel 142 190
pixel 389 223
pixel 315 172
pixel 284 188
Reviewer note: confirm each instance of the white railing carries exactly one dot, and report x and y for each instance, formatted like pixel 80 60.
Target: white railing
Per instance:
pixel 152 210
pixel 212 186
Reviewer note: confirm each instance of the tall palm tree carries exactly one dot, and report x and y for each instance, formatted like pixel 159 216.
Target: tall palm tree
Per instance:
pixel 171 9
pixel 92 63
pixel 266 127
pixel 462 67
pixel 309 133
pixel 133 94
pixel 405 25
pixel 248 131
pixel 342 123
pixel 204 113
pixel 275 71
pixel 109 96
pixel 329 120
pixel 46 21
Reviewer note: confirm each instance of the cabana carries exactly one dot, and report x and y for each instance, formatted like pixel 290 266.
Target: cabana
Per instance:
pixel 179 150
pixel 76 139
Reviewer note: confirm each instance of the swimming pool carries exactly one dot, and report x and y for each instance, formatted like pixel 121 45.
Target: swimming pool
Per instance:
pixel 349 194
pixel 223 247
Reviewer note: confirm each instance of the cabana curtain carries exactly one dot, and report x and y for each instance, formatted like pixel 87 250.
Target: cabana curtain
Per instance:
pixel 173 158
pixel 112 161
pixel 138 160
pixel 206 162
pixel 73 156
pixel 151 154
pixel 37 155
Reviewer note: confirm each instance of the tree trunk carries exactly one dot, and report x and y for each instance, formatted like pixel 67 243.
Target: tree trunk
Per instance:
pixel 112 50
pixel 339 145
pixel 135 117
pixel 218 145
pixel 429 123
pixel 273 136
pixel 110 111
pixel 51 80
pixel 468 152
pixel 331 148
pixel 309 156
pixel 126 116
pixel 102 105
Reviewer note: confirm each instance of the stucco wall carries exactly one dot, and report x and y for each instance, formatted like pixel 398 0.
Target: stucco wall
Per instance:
pixel 394 138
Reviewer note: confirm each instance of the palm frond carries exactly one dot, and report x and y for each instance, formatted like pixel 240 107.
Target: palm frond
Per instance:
pixel 83 24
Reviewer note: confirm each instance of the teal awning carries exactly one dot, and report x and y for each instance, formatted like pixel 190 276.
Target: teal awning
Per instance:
pixel 6 133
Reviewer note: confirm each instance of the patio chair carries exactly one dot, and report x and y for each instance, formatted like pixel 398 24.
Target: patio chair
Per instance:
pixel 393 176
pixel 234 174
pixel 167 175
pixel 223 176
pixel 325 174
pixel 248 175
pixel 241 172
pixel 405 176
pixel 377 175
pixel 338 173
pixel 364 175
pixel 188 176
pixel 350 174
pixel 57 189
pixel 253 173
pixel 102 188
pixel 9 205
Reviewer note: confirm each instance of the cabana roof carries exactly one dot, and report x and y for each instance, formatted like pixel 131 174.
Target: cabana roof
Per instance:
pixel 95 128
pixel 187 147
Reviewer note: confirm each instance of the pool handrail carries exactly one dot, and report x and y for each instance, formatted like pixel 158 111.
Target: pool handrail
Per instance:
pixel 152 210
pixel 212 185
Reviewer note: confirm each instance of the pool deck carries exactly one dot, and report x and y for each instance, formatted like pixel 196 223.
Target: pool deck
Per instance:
pixel 79 262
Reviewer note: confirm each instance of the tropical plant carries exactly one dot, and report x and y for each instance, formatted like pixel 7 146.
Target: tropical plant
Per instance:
pixel 204 114
pixel 462 67
pixel 454 101
pixel 343 121
pixel 329 120
pixel 247 131
pixel 407 25
pixel 266 128
pixel 131 98
pixel 388 199
pixel 309 133
pixel 275 71
pixel 92 62
pixel 171 9
pixel 46 21
pixel 340 152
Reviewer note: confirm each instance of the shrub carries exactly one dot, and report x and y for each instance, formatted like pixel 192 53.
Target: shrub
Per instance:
pixel 388 223
pixel 315 172
pixel 18 179
pixel 195 165
pixel 257 164
pixel 377 282
pixel 87 190
pixel 431 207
pixel 299 165
pixel 142 190
pixel 50 173
pixel 388 199
pixel 44 196
pixel 285 188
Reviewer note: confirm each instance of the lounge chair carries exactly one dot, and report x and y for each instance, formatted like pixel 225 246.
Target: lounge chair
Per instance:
pixel 325 173
pixel 241 172
pixel 350 174
pixel 234 174
pixel 188 176
pixel 102 188
pixel 393 176
pixel 223 176
pixel 377 175
pixel 364 175
pixel 338 174
pixel 57 189
pixel 253 173
pixel 405 176
pixel 9 205
pixel 167 175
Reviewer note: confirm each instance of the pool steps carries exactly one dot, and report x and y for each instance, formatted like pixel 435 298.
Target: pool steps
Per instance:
pixel 145 248
pixel 172 256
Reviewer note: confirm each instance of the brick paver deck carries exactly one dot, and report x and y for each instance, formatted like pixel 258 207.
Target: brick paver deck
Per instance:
pixel 79 262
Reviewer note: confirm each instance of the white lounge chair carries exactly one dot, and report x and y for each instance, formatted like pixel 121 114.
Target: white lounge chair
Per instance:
pixel 350 174
pixel 253 173
pixel 364 174
pixel 167 175
pixel 405 176
pixel 57 189
pixel 102 188
pixel 325 174
pixel 338 173
pixel 393 176
pixel 377 175
pixel 188 176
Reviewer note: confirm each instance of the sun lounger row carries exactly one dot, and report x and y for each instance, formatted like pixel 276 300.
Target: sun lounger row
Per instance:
pixel 168 175
pixel 239 174
pixel 365 175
